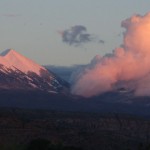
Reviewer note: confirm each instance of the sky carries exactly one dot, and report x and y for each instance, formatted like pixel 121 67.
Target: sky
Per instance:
pixel 65 32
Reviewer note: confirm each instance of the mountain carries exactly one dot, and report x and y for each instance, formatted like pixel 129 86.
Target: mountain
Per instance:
pixel 65 72
pixel 20 73
pixel 25 84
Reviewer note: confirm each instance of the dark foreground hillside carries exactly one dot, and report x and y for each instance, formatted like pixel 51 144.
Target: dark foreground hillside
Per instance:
pixel 22 129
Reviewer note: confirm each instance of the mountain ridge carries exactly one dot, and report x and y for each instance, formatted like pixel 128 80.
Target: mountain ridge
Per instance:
pixel 19 72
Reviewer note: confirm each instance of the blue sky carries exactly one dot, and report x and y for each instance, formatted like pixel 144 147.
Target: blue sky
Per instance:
pixel 32 27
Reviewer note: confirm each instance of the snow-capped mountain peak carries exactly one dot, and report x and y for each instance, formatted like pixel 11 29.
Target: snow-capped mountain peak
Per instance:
pixel 19 72
pixel 12 59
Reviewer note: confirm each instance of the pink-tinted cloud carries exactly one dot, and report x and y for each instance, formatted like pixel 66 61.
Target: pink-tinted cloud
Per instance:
pixel 127 66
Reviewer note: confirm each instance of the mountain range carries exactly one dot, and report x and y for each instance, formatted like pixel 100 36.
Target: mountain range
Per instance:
pixel 25 84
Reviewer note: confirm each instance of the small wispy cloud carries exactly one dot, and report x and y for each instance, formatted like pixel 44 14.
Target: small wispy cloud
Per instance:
pixel 10 15
pixel 78 35
pixel 102 41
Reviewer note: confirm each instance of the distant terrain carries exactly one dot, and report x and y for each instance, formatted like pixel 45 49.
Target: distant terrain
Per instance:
pixel 65 72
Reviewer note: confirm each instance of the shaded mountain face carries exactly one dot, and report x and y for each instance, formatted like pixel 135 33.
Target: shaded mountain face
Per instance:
pixel 20 73
pixel 65 72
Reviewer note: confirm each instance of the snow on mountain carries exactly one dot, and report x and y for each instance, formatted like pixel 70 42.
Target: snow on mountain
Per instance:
pixel 19 72
pixel 11 59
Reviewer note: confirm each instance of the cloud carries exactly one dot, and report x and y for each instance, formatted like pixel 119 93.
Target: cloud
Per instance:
pixel 126 67
pixel 77 35
pixel 10 15
pixel 102 41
